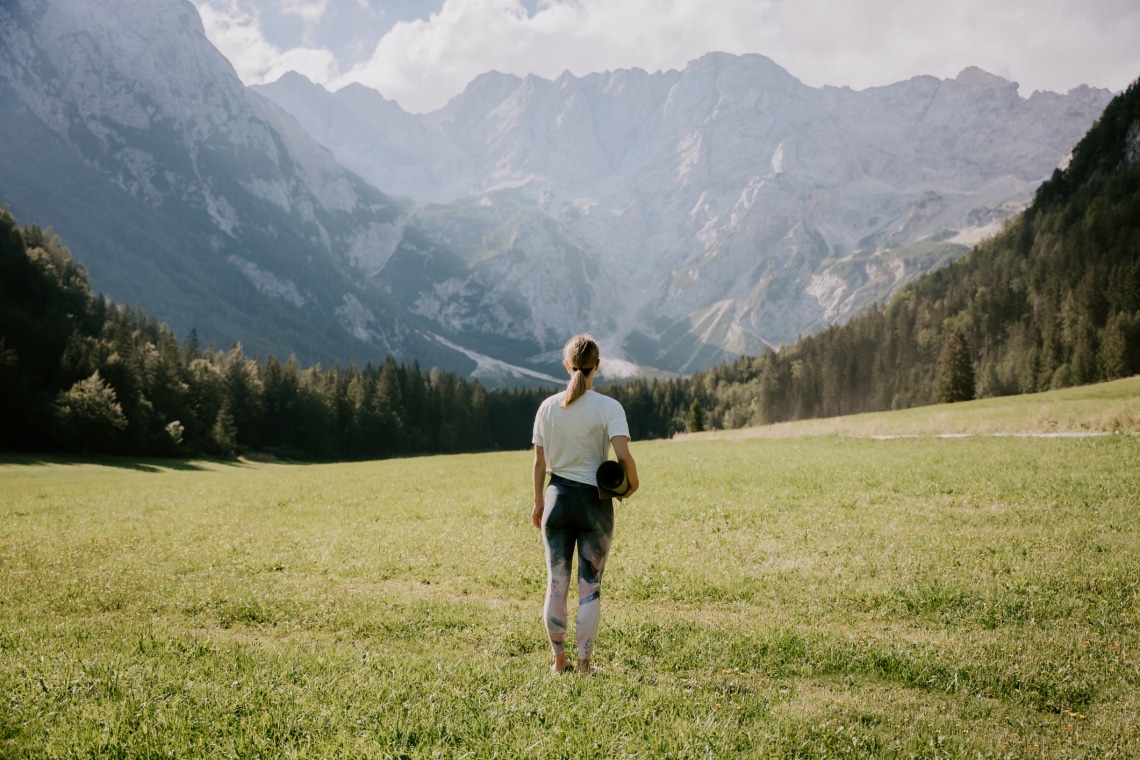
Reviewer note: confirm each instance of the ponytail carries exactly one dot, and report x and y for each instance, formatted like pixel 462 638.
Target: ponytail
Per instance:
pixel 581 355
pixel 576 387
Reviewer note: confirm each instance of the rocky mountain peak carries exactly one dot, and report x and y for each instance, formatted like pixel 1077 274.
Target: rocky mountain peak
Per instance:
pixel 730 183
pixel 758 65
pixel 972 76
pixel 128 61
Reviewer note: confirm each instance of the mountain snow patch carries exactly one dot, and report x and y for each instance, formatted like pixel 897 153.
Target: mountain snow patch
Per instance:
pixel 777 162
pixel 374 245
pixel 269 283
pixel 221 211
pixel 828 289
pixel 490 369
pixel 356 318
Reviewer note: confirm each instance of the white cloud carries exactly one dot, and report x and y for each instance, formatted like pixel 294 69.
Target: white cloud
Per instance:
pixel 237 34
pixel 310 11
pixel 1042 44
pixel 423 63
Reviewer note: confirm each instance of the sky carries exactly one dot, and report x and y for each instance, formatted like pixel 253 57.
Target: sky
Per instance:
pixel 421 53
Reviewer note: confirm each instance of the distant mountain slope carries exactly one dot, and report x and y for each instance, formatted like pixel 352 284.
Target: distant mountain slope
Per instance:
pixel 127 132
pixel 1053 301
pixel 716 210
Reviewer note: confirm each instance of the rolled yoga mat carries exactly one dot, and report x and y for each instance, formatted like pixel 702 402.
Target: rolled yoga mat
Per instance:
pixel 611 479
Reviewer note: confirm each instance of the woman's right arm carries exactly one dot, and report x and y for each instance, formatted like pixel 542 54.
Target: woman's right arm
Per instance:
pixel 621 448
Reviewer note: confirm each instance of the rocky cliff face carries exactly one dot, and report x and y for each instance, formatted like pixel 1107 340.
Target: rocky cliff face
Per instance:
pixel 181 189
pixel 707 212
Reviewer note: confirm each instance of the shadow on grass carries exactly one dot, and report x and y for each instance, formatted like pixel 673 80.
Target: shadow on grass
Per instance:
pixel 198 463
pixel 123 463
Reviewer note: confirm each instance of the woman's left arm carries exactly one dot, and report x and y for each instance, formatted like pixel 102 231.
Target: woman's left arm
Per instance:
pixel 538 478
pixel 621 449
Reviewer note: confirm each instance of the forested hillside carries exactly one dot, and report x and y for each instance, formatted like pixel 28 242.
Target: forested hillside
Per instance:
pixel 1052 301
pixel 79 373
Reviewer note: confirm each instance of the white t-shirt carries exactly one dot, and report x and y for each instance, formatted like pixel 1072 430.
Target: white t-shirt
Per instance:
pixel 576 440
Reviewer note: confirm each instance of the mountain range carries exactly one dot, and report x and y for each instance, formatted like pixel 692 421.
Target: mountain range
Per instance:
pixel 685 217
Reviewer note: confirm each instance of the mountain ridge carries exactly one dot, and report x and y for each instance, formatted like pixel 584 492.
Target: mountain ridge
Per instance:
pixel 749 207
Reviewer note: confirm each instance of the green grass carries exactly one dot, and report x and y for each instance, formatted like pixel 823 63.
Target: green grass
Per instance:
pixel 797 597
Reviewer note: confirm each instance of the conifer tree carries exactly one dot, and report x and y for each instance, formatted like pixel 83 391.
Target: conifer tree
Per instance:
pixel 955 370
pixel 89 416
pixel 695 421
pixel 225 432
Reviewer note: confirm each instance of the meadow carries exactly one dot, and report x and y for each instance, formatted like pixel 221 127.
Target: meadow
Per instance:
pixel 796 596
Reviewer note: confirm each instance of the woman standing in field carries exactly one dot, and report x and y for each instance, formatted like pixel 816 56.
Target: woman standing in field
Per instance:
pixel 573 431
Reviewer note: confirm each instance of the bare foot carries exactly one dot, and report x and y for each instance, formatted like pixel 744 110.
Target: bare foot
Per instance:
pixel 585 668
pixel 560 664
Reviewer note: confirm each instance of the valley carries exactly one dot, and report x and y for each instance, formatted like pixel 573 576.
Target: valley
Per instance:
pixel 686 217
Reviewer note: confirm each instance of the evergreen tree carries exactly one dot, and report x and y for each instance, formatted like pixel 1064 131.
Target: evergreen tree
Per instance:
pixel 955 370
pixel 224 434
pixel 695 421
pixel 89 416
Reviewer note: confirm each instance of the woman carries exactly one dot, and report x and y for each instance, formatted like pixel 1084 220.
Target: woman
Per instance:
pixel 573 431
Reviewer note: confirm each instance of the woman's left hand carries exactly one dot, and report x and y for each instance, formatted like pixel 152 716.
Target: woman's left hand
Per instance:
pixel 536 515
pixel 621 449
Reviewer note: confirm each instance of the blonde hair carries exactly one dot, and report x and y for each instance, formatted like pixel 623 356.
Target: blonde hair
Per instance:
pixel 581 353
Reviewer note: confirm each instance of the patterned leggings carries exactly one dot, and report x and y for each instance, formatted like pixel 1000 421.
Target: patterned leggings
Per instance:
pixel 574 514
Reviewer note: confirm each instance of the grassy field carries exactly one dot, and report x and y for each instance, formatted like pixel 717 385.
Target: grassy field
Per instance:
pixel 788 597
